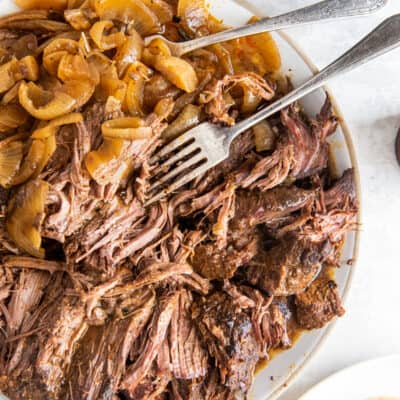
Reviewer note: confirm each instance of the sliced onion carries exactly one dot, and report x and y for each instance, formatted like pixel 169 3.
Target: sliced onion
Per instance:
pixel 10 161
pixel 81 91
pixel 73 67
pixel 130 128
pixel 136 76
pixel 177 71
pixel 129 52
pixel 11 95
pixel 42 4
pixel 50 128
pixel 158 47
pixel 103 41
pixel 250 101
pixel 35 161
pixel 195 17
pixel 144 20
pixel 7 74
pixel 111 85
pixel 78 18
pixel 99 61
pixel 108 157
pixel 164 108
pixel 162 9
pixel 11 116
pixel 264 45
pixel 25 217
pixel 224 58
pixel 31 163
pixel 188 118
pixel 54 52
pixel 29 68
pixel 45 105
pixel 264 136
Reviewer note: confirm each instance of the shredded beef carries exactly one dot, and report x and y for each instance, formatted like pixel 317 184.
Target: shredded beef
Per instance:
pixel 180 299
pixel 228 333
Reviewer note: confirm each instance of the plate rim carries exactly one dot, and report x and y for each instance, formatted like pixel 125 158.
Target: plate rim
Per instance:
pixel 335 375
pixel 294 373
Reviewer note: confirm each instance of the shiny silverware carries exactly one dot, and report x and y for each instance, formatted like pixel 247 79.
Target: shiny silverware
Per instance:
pixel 323 11
pixel 206 145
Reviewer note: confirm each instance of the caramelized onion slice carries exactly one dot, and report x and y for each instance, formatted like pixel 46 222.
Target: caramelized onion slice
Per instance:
pixel 54 52
pixel 36 160
pixel 264 136
pixel 177 71
pixel 7 73
pixel 188 118
pixel 129 52
pixel 11 116
pixel 111 85
pixel 29 68
pixel 196 19
pixel 50 128
pixel 74 67
pixel 164 108
pixel 80 90
pixel 144 20
pixel 262 45
pixel 43 104
pixel 162 9
pixel 79 18
pixel 10 160
pixel 38 156
pixel 42 4
pixel 109 153
pixel 136 76
pixel 130 128
pixel 14 71
pixel 104 41
pixel 25 217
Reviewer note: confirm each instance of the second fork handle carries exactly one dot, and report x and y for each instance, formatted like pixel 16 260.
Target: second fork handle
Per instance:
pixel 325 10
pixel 381 40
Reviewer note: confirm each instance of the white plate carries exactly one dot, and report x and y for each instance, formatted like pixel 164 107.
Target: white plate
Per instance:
pixel 273 379
pixel 371 380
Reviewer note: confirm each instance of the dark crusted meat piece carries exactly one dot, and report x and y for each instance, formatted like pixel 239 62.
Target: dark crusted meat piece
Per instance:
pixel 309 140
pixel 215 263
pixel 228 332
pixel 343 192
pixel 254 208
pixel 287 268
pixel 319 304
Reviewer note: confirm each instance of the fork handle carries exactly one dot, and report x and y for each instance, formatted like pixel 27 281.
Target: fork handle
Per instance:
pixel 325 10
pixel 384 38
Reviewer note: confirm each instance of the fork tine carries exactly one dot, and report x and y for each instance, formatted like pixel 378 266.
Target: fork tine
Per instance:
pixel 180 168
pixel 180 182
pixel 170 147
pixel 176 157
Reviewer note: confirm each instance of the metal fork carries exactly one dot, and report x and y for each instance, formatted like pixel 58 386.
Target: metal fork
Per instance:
pixel 206 145
pixel 325 10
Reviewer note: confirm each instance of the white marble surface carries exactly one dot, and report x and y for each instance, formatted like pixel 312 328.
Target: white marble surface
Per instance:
pixel 370 101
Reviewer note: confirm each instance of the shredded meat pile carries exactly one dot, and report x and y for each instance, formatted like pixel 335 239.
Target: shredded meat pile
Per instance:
pixel 181 299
